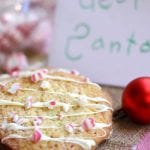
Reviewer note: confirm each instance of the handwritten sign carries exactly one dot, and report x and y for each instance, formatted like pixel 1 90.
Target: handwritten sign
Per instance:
pixel 107 40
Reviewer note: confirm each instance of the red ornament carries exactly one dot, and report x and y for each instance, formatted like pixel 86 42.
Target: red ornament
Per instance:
pixel 136 100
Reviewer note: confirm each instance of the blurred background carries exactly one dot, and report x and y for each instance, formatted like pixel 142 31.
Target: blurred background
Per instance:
pixel 25 33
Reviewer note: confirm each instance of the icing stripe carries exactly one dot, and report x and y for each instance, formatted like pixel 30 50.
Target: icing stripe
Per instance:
pixel 70 80
pixel 46 104
pixel 94 99
pixel 16 127
pixel 29 73
pixel 104 109
pixel 84 143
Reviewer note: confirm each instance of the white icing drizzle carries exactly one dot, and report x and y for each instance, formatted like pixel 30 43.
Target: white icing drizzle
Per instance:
pixel 16 126
pixel 84 143
pixel 94 99
pixel 103 109
pixel 29 73
pixel 71 114
pixel 65 106
pixel 70 80
pixel 102 125
pixel 7 102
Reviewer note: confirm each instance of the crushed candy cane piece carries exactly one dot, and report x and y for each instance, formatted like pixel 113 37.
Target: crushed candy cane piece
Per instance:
pixel 14 88
pixel 16 119
pixel 14 73
pixel 52 104
pixel 45 71
pixel 74 72
pixel 20 121
pixel 39 75
pixel 60 116
pixel 14 116
pixel 45 85
pixel 28 102
pixel 69 128
pixel 36 137
pixel 86 79
pixel 38 121
pixel 88 124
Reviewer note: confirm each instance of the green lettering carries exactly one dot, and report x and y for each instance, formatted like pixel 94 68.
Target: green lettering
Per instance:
pixel 90 4
pixel 115 46
pixel 104 4
pixel 98 44
pixel 82 31
pixel 145 47
pixel 136 4
pixel 131 42
pixel 120 1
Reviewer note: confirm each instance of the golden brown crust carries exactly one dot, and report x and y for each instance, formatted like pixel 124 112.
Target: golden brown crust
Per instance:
pixel 40 95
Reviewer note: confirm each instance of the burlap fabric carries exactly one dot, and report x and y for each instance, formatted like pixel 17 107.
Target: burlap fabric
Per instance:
pixel 125 134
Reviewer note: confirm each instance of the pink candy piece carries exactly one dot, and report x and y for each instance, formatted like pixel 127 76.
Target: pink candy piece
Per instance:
pixel 28 102
pixel 88 124
pixel 38 121
pixel 2 85
pixel 36 137
pixel 74 72
pixel 69 128
pixel 45 71
pixel 14 73
pixel 14 88
pixel 86 79
pixel 52 104
pixel 15 62
pixel 16 119
pixel 39 75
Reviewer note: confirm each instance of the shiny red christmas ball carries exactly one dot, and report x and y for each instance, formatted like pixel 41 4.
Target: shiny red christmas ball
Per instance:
pixel 136 100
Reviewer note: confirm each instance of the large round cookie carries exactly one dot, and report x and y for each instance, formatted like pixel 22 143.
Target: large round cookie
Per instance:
pixel 53 110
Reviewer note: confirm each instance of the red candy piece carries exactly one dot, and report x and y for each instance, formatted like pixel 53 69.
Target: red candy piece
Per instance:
pixel 52 104
pixel 36 137
pixel 136 100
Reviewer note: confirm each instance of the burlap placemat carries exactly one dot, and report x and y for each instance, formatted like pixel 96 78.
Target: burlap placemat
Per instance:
pixel 126 134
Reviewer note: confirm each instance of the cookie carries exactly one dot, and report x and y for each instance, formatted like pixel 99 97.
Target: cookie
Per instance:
pixel 53 109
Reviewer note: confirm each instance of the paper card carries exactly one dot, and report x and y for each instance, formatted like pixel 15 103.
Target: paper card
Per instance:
pixel 107 40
